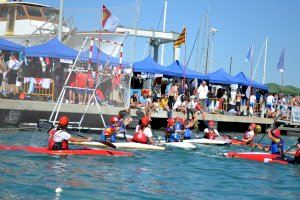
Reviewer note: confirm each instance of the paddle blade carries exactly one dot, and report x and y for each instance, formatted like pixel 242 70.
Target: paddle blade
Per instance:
pixel 44 125
pixel 109 144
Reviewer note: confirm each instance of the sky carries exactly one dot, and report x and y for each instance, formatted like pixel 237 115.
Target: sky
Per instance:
pixel 240 24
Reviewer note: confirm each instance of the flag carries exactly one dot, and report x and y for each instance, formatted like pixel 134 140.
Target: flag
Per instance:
pixel 280 65
pixel 181 39
pixel 249 55
pixel 109 22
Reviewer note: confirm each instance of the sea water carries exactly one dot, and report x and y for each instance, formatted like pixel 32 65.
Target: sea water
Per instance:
pixel 170 174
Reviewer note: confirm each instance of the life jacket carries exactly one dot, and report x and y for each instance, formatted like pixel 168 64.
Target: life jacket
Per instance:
pixel 108 134
pixel 177 127
pixel 276 148
pixel 247 135
pixel 140 137
pixel 210 134
pixel 187 134
pixel 52 145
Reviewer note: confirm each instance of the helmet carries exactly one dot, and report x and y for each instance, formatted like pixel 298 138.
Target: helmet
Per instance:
pixel 63 121
pixel 171 121
pixel 145 121
pixel 252 125
pixel 211 123
pixel 276 133
pixel 113 119
pixel 257 128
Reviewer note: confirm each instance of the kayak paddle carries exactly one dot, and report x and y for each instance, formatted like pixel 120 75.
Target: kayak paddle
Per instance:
pixel 109 144
pixel 293 146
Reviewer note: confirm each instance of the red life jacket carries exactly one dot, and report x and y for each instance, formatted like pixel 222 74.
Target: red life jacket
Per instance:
pixel 52 145
pixel 210 134
pixel 140 137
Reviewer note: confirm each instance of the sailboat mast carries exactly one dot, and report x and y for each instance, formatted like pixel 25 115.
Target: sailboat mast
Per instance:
pixel 164 29
pixel 265 60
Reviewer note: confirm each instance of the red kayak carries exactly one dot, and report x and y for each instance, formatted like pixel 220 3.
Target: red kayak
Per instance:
pixel 257 156
pixel 85 151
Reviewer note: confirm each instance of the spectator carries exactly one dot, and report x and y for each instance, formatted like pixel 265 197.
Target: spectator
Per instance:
pixel 72 91
pixel 143 100
pixel 202 93
pixel 164 103
pixel 2 68
pixel 180 104
pixel 12 74
pixel 134 100
pixel 90 86
pixel 269 103
pixel 173 93
pixel 80 83
pixel 238 102
pixel 252 101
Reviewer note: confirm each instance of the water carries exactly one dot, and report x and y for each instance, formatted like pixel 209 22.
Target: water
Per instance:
pixel 172 174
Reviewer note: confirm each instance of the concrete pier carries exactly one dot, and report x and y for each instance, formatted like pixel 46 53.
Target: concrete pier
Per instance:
pixel 30 107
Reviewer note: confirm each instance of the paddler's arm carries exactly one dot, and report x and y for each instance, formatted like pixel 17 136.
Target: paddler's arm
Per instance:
pixel 264 148
pixel 250 139
pixel 150 140
pixel 75 139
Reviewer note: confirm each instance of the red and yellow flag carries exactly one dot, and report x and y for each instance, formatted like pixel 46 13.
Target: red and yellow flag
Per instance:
pixel 109 22
pixel 181 39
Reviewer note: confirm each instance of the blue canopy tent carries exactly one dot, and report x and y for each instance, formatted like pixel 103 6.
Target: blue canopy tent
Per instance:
pixel 53 49
pixel 10 46
pixel 221 77
pixel 99 57
pixel 178 70
pixel 148 65
pixel 244 80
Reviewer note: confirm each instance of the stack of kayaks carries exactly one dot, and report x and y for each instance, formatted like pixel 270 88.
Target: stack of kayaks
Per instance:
pixel 256 156
pixel 123 145
pixel 85 151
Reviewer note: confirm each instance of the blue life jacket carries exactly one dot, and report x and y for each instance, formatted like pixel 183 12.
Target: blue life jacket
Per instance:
pixel 178 126
pixel 187 134
pixel 112 138
pixel 174 137
pixel 276 148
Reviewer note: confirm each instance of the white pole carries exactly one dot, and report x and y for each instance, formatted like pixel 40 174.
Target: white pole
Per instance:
pixel 211 51
pixel 265 60
pixel 164 29
pixel 60 22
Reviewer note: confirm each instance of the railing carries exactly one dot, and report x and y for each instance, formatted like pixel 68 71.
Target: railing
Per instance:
pixel 37 89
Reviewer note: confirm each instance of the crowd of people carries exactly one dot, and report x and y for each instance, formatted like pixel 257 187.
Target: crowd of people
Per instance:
pixel 187 97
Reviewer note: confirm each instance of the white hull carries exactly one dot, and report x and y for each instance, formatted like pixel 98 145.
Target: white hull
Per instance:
pixel 123 145
pixel 180 145
pixel 208 141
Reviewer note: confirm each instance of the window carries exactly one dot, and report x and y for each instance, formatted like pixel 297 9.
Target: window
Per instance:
pixel 34 11
pixel 3 11
pixel 48 13
pixel 21 11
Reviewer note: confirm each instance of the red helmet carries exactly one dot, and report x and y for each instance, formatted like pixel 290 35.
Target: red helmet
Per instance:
pixel 211 123
pixel 145 121
pixel 276 133
pixel 171 121
pixel 253 125
pixel 113 119
pixel 63 121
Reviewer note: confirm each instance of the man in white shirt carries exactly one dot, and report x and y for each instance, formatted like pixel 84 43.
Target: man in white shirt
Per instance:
pixel 252 102
pixel 202 92
pixel 12 74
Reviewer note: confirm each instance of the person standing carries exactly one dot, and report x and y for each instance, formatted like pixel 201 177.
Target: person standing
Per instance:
pixel 202 92
pixel 2 68
pixel 173 93
pixel 12 74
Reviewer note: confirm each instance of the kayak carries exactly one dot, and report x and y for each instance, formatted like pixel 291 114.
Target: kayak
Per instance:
pixel 85 151
pixel 123 145
pixel 121 136
pixel 208 141
pixel 180 145
pixel 240 142
pixel 256 156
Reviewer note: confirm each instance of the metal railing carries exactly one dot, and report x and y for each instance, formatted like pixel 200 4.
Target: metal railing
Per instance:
pixel 38 90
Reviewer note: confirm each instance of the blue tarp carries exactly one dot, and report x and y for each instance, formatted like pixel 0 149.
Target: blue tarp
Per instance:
pixel 244 80
pixel 221 77
pixel 99 57
pixel 10 46
pixel 148 65
pixel 178 70
pixel 53 49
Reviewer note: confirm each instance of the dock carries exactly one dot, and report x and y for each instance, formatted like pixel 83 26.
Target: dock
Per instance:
pixel 29 108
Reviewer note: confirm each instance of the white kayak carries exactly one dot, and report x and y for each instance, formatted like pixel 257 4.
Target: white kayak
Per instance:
pixel 208 141
pixel 121 136
pixel 123 145
pixel 180 145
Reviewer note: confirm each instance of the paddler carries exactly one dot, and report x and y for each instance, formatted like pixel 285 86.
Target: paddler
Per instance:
pixel 248 137
pixel 109 133
pixel 169 128
pixel 143 133
pixel 59 138
pixel 176 132
pixel 210 132
pixel 277 143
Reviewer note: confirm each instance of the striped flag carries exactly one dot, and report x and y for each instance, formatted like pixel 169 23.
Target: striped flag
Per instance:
pixel 280 65
pixel 109 22
pixel 181 39
pixel 249 55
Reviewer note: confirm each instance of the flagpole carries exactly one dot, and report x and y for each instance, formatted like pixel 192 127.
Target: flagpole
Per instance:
pixel 251 78
pixel 184 62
